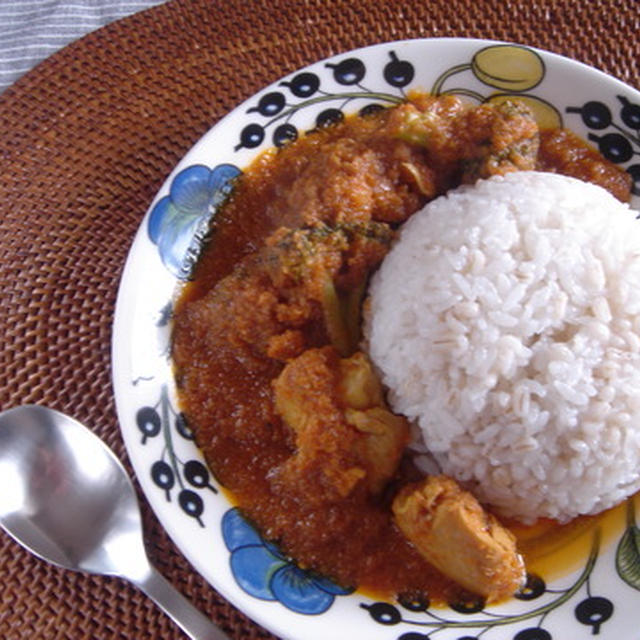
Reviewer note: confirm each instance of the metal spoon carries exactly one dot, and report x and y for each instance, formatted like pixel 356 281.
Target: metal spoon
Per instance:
pixel 67 499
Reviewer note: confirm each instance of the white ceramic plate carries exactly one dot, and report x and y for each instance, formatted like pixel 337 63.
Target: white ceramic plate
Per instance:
pixel 599 597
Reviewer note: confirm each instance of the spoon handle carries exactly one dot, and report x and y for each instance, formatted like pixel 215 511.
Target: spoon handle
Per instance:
pixel 195 624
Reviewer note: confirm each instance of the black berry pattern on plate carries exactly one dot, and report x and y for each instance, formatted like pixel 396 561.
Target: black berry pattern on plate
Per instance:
pixel 184 479
pixel 349 71
pixel 594 611
pixel 617 138
pixel 277 108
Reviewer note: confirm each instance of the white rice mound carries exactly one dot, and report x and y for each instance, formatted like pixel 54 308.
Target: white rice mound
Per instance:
pixel 505 323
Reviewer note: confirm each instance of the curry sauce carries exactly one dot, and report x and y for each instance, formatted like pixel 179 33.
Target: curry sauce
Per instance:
pixel 333 200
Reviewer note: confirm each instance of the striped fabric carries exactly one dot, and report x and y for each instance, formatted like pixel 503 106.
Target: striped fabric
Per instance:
pixel 31 30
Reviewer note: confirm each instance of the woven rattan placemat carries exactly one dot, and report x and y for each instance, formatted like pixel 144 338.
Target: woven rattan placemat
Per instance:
pixel 88 137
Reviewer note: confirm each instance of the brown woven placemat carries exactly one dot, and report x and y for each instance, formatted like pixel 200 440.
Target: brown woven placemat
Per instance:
pixel 87 138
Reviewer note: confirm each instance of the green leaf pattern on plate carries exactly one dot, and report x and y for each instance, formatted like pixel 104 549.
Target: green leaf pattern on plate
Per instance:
pixel 628 552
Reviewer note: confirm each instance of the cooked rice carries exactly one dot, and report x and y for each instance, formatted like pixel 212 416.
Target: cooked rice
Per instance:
pixel 505 323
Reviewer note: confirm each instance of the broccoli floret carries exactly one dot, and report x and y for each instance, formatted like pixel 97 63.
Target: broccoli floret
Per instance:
pixel 331 264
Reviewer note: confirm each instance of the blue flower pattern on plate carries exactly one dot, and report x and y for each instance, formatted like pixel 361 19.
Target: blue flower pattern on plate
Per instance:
pixel 179 221
pixel 263 572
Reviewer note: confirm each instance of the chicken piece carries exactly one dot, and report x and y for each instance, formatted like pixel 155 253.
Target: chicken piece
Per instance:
pixel 426 122
pixel 382 434
pixel 462 143
pixel 455 534
pixel 346 180
pixel 496 139
pixel 344 435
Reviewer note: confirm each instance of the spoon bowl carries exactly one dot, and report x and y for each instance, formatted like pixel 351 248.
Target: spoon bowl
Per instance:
pixel 72 504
